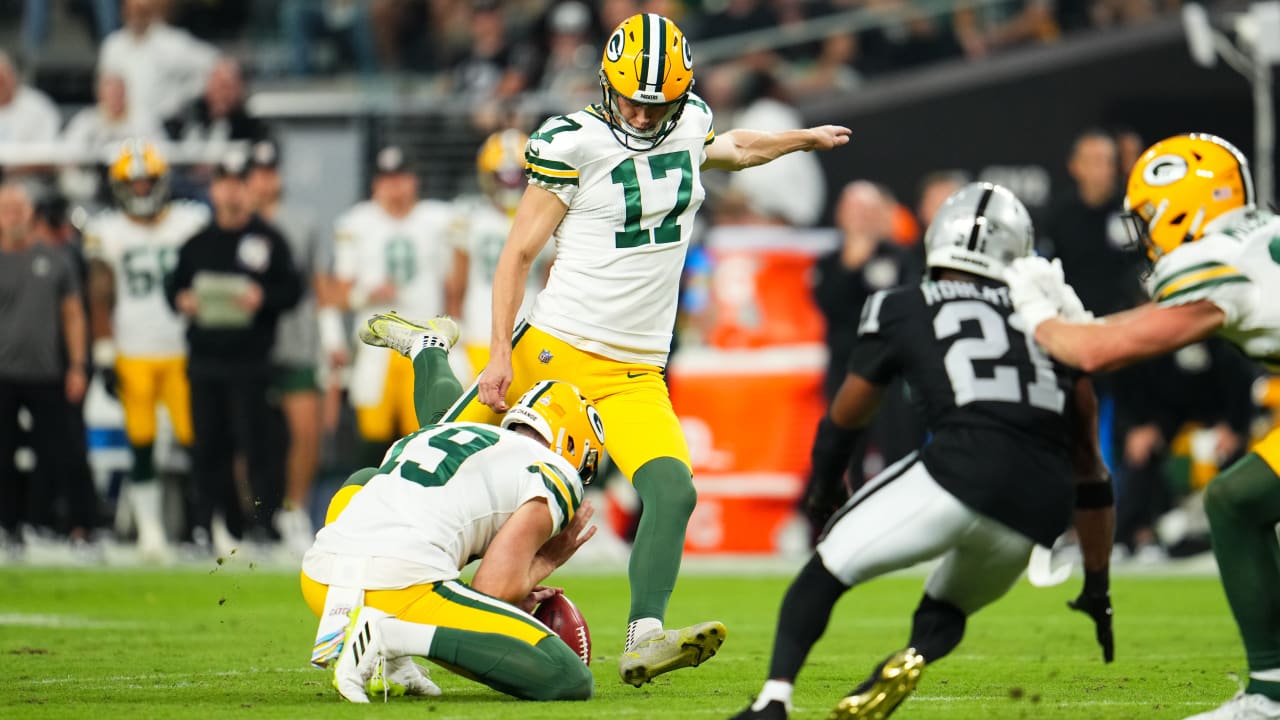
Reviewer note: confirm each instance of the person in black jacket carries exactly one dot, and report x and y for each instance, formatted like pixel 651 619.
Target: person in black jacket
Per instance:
pixel 232 280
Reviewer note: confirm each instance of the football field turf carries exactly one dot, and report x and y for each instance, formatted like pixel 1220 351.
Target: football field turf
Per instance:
pixel 232 643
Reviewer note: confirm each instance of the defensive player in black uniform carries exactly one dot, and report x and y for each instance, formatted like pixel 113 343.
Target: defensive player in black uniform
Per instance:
pixel 1013 449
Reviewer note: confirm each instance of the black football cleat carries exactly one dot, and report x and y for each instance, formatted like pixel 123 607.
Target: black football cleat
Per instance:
pixel 774 710
pixel 881 693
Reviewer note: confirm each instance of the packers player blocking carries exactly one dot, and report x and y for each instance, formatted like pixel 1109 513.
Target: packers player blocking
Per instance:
pixel 396 537
pixel 137 336
pixel 617 185
pixel 1217 264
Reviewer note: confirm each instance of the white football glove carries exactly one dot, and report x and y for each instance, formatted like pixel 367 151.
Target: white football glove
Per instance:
pixel 1039 291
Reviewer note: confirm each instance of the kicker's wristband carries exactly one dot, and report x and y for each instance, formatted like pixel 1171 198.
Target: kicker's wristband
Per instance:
pixel 1095 495
pixel 332 335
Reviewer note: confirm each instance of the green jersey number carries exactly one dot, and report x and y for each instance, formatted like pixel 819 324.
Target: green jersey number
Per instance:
pixel 632 235
pixel 402 262
pixel 146 268
pixel 554 126
pixel 454 445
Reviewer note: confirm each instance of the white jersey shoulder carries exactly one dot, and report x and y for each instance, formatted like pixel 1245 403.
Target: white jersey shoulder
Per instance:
pixel 621 246
pixel 373 248
pixel 441 496
pixel 1233 266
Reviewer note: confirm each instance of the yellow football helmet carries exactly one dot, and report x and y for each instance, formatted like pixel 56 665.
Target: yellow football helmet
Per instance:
pixel 646 60
pixel 569 423
pixel 139 178
pixel 500 168
pixel 1179 185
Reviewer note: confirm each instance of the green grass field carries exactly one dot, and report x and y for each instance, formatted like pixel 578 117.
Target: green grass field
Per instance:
pixel 234 643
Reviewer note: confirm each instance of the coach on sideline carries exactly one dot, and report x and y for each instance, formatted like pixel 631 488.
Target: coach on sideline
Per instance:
pixel 232 281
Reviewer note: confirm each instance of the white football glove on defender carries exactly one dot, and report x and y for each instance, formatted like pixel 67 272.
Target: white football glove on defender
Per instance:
pixel 1039 291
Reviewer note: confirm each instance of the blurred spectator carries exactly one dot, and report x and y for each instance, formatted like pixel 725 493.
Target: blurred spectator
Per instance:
pixel 162 67
pixel 1084 230
pixel 904 37
pixel 35 23
pixel 987 28
pixel 344 23
pixel 110 121
pixel 232 281
pixel 935 188
pixel 866 261
pixel 738 16
pixel 26 114
pixel 570 62
pixel 765 107
pixel 490 68
pixel 219 114
pixel 216 21
pixel 43 365
pixel 1129 147
pixel 297 344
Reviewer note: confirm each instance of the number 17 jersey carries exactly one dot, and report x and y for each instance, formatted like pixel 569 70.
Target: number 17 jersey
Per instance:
pixel 996 405
pixel 621 246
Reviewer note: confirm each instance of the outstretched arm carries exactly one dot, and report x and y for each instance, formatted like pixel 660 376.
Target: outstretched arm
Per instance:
pixel 1125 338
pixel 740 149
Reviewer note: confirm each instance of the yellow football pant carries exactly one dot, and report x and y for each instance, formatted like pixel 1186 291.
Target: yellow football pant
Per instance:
pixel 143 383
pixel 394 415
pixel 632 399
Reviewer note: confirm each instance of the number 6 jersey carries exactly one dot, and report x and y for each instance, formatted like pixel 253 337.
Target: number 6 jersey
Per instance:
pixel 440 497
pixel 621 246
pixel 141 255
pixel 994 402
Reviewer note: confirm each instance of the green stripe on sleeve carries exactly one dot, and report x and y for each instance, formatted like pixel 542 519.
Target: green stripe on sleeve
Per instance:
pixel 555 493
pixel 1183 273
pixel 535 175
pixel 548 164
pixel 1201 287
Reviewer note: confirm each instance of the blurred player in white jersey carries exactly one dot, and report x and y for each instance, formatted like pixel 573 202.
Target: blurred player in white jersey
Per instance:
pixel 391 251
pixel 138 340
pixel 617 185
pixel 396 537
pixel 1217 268
pixel 481 225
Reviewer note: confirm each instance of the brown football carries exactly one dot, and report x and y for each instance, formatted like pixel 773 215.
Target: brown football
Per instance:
pixel 562 616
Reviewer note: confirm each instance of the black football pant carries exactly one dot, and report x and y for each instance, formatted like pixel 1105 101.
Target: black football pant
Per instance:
pixel 62 470
pixel 231 419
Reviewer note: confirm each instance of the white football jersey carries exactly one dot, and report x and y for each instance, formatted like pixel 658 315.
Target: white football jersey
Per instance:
pixel 1236 266
pixel 372 248
pixel 621 247
pixel 480 230
pixel 441 495
pixel 142 255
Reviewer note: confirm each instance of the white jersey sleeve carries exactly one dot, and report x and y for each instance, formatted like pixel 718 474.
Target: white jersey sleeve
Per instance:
pixel 551 163
pixel 1204 270
pixel 1235 266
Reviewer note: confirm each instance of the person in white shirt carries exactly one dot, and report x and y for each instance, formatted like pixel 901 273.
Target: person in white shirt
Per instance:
pixel 110 121
pixel 26 114
pixel 163 67
pixel 390 251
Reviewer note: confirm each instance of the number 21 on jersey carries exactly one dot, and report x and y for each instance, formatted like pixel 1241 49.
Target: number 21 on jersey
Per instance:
pixel 653 185
pixel 993 344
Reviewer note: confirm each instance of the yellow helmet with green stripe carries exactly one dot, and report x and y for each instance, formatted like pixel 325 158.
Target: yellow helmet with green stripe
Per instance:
pixel 1182 183
pixel 139 178
pixel 565 419
pixel 647 61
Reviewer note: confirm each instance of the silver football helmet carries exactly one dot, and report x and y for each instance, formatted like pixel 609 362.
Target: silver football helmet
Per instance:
pixel 980 229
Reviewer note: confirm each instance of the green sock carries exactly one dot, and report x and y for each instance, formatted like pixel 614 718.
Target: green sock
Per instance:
pixel 1270 688
pixel 1243 505
pixel 665 486
pixel 144 466
pixel 547 671
pixel 435 387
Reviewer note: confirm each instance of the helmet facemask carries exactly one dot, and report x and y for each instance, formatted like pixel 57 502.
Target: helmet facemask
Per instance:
pixel 632 137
